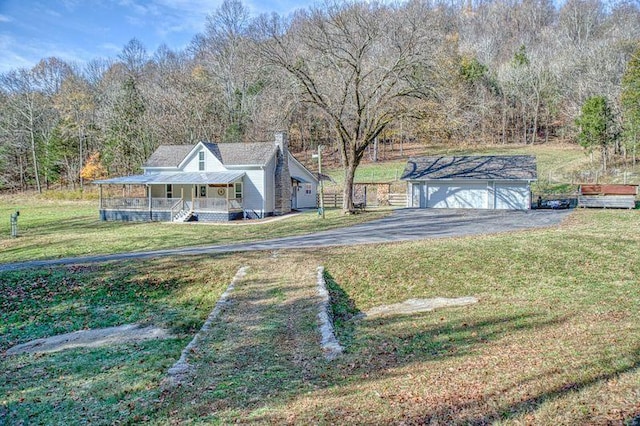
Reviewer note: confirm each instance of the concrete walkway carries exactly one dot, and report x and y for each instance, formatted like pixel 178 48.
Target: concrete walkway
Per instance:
pixel 402 225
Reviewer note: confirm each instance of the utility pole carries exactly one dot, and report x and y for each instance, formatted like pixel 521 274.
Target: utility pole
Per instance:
pixel 319 157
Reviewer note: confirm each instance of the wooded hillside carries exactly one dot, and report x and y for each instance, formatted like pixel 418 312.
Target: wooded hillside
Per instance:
pixel 502 71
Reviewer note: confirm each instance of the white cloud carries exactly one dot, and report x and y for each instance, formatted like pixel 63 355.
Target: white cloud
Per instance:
pixel 10 59
pixel 27 55
pixel 5 18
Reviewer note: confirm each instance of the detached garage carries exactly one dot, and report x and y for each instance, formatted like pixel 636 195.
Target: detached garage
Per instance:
pixel 501 182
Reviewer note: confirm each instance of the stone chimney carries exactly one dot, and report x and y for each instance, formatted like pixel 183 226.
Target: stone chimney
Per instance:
pixel 282 176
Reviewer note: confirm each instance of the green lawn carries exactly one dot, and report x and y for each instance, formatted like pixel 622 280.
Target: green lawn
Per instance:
pixel 53 229
pixel 553 339
pixel 99 385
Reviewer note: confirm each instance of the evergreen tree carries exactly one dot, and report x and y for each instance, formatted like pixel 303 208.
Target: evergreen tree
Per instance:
pixel 597 128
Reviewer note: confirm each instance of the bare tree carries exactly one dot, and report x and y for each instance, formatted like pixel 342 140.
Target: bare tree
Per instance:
pixel 232 69
pixel 358 63
pixel 26 104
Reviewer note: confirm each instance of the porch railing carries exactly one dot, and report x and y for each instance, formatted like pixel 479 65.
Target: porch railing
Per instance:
pixel 216 204
pixel 171 204
pixel 177 207
pixel 164 203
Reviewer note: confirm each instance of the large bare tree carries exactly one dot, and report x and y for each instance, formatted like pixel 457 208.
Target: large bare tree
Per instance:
pixel 360 64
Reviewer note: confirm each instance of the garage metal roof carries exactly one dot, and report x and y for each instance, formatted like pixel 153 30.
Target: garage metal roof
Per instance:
pixel 486 167
pixel 175 178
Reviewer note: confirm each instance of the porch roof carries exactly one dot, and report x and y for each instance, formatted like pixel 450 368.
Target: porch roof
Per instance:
pixel 174 178
pixel 299 179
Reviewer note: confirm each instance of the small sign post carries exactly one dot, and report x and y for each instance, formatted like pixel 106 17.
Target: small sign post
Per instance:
pixel 14 224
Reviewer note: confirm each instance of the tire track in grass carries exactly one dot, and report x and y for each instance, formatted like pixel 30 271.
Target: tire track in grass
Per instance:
pixel 262 350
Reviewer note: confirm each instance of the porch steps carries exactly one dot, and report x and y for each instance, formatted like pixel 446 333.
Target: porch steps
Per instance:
pixel 183 216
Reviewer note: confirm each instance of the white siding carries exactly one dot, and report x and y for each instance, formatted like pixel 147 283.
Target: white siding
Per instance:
pixel 211 163
pixel 302 199
pixel 252 190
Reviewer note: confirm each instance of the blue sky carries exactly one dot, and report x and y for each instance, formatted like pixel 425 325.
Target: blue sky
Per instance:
pixel 81 30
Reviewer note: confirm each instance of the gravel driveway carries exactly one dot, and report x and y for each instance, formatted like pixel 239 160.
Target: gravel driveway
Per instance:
pixel 402 225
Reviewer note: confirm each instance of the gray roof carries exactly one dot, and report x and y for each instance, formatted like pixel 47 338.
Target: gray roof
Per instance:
pixel 243 154
pixel 488 167
pixel 229 154
pixel 175 178
pixel 168 156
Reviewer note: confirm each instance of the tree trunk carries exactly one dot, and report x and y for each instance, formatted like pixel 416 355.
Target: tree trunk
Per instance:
pixel 34 154
pixel 536 114
pixel 349 177
pixel 375 150
pixel 504 120
pixel 80 157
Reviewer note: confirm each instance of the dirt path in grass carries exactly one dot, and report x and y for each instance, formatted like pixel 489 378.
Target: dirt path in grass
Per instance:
pixel 263 346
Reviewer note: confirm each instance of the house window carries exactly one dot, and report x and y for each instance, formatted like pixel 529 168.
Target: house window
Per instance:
pixel 238 189
pixel 308 188
pixel 169 191
pixel 201 161
pixel 203 191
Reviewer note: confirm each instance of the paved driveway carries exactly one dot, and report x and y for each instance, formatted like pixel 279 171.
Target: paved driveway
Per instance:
pixel 402 225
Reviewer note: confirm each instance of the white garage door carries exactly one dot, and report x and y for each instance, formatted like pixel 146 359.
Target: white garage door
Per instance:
pixel 458 196
pixel 512 196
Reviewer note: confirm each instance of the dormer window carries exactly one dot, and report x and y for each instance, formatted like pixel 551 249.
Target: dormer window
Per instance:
pixel 201 161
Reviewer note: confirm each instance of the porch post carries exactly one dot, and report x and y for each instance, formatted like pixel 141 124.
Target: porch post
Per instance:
pixel 149 195
pixel 100 191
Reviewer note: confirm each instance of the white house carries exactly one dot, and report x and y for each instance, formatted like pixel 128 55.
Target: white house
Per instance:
pixel 501 182
pixel 215 182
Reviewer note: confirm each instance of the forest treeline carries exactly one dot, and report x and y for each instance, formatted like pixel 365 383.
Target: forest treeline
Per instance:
pixel 487 71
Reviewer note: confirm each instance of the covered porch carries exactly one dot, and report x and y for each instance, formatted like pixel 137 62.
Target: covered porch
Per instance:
pixel 174 197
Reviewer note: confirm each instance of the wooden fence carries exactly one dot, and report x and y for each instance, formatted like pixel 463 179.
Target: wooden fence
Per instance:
pixel 335 199
pixel 398 199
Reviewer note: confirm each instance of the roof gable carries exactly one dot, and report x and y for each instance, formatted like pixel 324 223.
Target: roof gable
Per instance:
pixel 296 168
pixel 488 167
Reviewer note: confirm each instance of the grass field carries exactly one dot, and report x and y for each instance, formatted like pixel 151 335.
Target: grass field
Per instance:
pixel 58 228
pixel 99 385
pixel 554 338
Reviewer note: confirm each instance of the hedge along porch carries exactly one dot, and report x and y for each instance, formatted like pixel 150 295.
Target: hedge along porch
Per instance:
pixel 213 182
